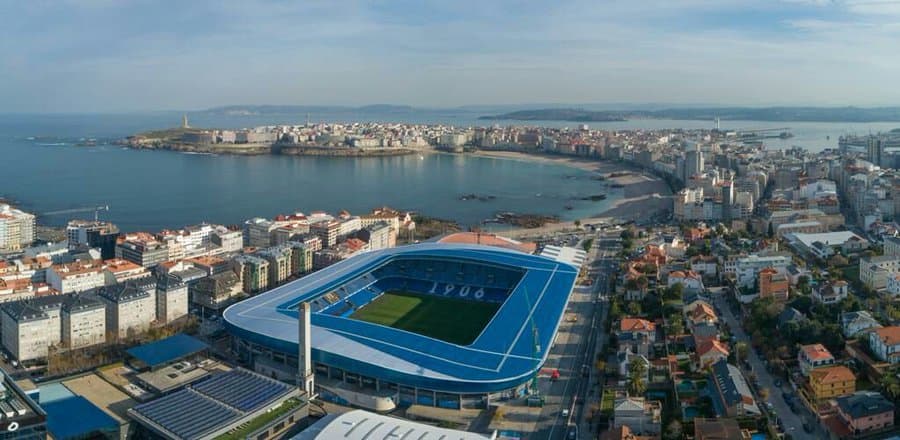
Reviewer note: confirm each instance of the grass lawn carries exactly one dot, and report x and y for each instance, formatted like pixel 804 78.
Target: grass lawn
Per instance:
pixel 457 321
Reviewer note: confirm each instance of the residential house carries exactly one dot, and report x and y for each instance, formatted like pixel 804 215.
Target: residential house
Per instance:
pixel 831 293
pixel 705 265
pixel 830 382
pixel 624 433
pixel 641 415
pixel 719 429
pixel 813 356
pixel 637 328
pixel 885 343
pixel 730 393
pixel 854 323
pixel 691 281
pixel 865 411
pixel 711 351
pixel 703 313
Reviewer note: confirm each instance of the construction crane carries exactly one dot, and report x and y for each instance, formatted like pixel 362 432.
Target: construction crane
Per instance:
pixel 95 209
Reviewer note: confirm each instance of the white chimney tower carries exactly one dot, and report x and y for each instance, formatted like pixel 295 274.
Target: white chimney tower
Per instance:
pixel 305 376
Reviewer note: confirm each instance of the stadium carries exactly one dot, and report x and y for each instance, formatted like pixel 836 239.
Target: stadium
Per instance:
pixel 449 325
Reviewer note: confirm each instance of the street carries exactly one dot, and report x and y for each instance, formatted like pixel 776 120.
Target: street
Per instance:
pixel 793 423
pixel 576 346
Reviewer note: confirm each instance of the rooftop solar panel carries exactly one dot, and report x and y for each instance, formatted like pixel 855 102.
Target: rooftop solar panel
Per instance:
pixel 241 389
pixel 187 414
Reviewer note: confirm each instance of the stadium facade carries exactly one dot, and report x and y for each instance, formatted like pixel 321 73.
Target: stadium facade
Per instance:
pixel 403 366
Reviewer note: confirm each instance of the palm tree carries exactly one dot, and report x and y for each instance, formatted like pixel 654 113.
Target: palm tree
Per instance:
pixel 636 370
pixel 890 384
pixel 741 350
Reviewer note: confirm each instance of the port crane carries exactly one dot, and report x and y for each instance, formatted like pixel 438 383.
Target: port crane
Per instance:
pixel 95 209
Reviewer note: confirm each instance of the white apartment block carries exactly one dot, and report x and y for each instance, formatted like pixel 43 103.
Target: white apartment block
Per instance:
pixel 29 327
pixel 76 277
pixel 130 307
pixel 875 271
pixel 171 300
pixel 746 268
pixel 83 321
pixel 16 228
pixel 892 246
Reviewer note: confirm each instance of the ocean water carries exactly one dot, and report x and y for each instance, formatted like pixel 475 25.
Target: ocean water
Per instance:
pixel 43 170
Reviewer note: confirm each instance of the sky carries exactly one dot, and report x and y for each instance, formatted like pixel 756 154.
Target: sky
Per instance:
pixel 113 56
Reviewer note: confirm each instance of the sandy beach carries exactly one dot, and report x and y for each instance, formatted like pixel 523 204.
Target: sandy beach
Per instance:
pixel 645 195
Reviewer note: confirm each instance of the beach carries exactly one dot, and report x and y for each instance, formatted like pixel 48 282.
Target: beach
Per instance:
pixel 645 195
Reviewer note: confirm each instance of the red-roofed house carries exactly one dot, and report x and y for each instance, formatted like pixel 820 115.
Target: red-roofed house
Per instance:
pixel 690 280
pixel 885 343
pixel 638 328
pixel 813 356
pixel 710 352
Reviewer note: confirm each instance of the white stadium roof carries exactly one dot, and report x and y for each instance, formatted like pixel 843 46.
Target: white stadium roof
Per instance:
pixel 363 425
pixel 565 254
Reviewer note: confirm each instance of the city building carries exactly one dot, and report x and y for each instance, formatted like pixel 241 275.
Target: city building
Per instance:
pixel 301 258
pixel 254 273
pixel 830 382
pixel 746 268
pixel 118 270
pixel 27 330
pixel 258 232
pixel 773 284
pixel 171 299
pixel 691 281
pixel 93 234
pixel 827 244
pixel 216 292
pixel 328 231
pixel 279 259
pixel 711 351
pixel 16 229
pixel 379 235
pixel 141 248
pixel 130 307
pixel 23 418
pixel 874 271
pixel 76 277
pixel 83 321
pixel 813 356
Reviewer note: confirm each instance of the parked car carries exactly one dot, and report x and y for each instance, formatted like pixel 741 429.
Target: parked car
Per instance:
pixel 807 427
pixel 778 383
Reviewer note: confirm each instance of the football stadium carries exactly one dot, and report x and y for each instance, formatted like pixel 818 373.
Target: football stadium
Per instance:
pixel 449 325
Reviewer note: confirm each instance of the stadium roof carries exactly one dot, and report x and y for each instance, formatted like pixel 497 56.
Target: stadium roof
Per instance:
pixel 565 254
pixel 167 350
pixel 503 356
pixel 488 240
pixel 76 417
pixel 363 425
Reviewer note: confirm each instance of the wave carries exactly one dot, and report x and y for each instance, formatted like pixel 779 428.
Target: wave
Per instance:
pixel 54 144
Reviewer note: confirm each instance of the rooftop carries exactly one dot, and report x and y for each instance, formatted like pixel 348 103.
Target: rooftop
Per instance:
pixel 167 350
pixel 889 335
pixel 816 352
pixel 488 240
pixel 864 404
pixel 362 425
pixel 832 374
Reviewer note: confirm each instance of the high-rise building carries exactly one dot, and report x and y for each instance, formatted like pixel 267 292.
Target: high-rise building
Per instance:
pixel 16 228
pixel 94 234
pixel 874 149
pixel 693 163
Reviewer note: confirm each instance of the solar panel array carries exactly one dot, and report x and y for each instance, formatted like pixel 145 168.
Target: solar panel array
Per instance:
pixel 242 389
pixel 187 414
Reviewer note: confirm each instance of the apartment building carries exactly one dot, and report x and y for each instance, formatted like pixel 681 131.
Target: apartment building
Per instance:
pixel 171 299
pixel 279 259
pixel 885 343
pixel 874 271
pixel 117 270
pixel 16 228
pixel 216 292
pixel 83 321
pixel 379 235
pixel 141 248
pixel 254 273
pixel 327 231
pixel 830 382
pixel 301 258
pixel 746 268
pixel 773 284
pixel 130 307
pixel 76 277
pixel 865 411
pixel 93 234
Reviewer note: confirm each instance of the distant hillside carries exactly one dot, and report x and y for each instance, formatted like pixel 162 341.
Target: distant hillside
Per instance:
pixel 300 109
pixel 560 114
pixel 775 114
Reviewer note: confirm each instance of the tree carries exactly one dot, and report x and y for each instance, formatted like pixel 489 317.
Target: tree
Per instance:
pixel 674 430
pixel 741 350
pixel 577 223
pixel 633 308
pixel 676 327
pixel 636 370
pixel 890 384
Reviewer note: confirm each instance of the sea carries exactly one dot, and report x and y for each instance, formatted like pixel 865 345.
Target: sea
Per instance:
pixel 44 170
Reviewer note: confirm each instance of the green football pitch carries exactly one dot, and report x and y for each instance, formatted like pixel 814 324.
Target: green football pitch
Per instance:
pixel 453 320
